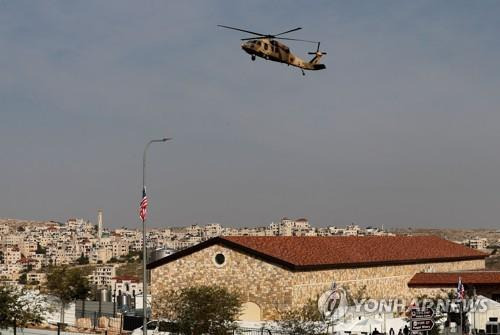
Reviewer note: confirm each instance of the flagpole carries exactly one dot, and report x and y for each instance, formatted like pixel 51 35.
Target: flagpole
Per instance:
pixel 460 294
pixel 144 253
pixel 461 322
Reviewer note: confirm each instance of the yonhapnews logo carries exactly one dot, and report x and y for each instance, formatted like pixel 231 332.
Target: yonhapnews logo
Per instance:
pixel 332 304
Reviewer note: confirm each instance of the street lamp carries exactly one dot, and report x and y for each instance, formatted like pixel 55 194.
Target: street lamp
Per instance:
pixel 144 255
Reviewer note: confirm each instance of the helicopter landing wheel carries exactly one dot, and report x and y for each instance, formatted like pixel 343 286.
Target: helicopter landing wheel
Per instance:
pixel 253 57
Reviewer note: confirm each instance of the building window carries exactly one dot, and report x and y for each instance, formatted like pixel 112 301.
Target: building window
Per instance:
pixel 219 259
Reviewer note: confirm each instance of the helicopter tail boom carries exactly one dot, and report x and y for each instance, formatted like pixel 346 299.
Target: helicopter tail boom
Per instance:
pixel 314 62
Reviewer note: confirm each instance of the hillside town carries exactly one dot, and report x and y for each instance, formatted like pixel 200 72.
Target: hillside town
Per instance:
pixel 27 247
pixel 280 265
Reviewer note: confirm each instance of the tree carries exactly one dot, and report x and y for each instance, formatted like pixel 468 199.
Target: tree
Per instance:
pixel 133 256
pixel 67 284
pixel 23 279
pixel 18 308
pixel 303 320
pixel 200 309
pixel 82 260
pixel 40 250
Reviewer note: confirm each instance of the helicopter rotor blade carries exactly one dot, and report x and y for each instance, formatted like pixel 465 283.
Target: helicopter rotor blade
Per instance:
pixel 243 30
pixel 259 38
pixel 295 39
pixel 253 38
pixel 288 31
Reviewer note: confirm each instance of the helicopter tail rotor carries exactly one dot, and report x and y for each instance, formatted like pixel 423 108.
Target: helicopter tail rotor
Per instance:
pixel 315 61
pixel 317 53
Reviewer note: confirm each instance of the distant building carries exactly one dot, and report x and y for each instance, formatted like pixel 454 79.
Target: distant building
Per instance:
pixel 126 285
pixel 38 277
pixel 100 255
pixel 102 276
pixel 12 255
pixel 212 230
pixel 478 243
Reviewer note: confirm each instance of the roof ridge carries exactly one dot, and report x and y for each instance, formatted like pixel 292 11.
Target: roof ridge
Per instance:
pixel 305 253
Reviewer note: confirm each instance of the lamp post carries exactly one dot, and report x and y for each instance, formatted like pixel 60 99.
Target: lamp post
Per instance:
pixel 144 255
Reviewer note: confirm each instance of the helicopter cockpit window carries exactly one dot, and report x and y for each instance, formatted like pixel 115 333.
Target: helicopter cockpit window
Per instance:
pixel 258 43
pixel 265 46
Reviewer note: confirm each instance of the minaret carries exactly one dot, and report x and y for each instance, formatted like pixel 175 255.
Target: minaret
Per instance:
pixel 99 225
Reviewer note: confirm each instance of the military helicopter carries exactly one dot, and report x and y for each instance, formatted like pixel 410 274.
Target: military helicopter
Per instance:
pixel 267 47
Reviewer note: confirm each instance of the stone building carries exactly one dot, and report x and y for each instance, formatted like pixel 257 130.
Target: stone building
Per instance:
pixel 274 273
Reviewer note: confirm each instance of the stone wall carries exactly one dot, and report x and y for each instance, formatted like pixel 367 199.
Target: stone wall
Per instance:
pixel 274 288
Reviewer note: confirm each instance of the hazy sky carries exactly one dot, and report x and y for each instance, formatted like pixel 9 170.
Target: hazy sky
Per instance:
pixel 401 129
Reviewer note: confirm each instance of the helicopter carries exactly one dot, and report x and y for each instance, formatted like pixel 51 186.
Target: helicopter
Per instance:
pixel 267 47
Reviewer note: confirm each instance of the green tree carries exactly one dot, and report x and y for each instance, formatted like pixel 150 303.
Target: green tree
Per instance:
pixel 67 284
pixel 82 260
pixel 23 279
pixel 19 308
pixel 303 320
pixel 40 250
pixel 200 309
pixel 133 256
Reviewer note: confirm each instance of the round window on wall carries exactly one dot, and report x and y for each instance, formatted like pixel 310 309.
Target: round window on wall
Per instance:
pixel 219 259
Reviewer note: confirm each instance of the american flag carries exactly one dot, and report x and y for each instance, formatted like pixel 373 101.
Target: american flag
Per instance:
pixel 460 289
pixel 143 211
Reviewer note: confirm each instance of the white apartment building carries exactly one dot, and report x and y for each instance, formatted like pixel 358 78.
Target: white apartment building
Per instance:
pixel 119 249
pixel 100 256
pixel 212 230
pixel 194 230
pixel 27 248
pixel 228 231
pixel 285 227
pixel 273 229
pixel 12 255
pixel 478 243
pixel 12 239
pixel 36 277
pixel 352 230
pixel 102 276
pixel 10 271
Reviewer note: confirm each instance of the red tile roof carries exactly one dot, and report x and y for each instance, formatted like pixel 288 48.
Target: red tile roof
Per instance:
pixel 316 252
pixel 450 279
